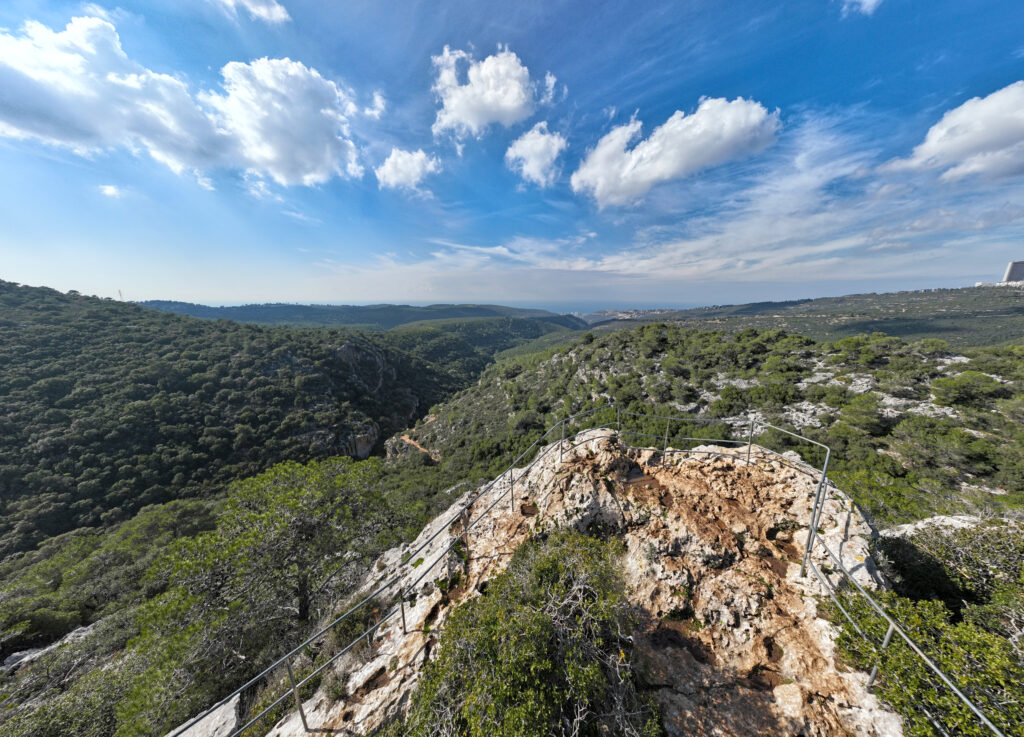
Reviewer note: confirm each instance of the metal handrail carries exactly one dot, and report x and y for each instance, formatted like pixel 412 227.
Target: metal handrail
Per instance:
pixel 286 658
pixel 894 628
pixel 409 559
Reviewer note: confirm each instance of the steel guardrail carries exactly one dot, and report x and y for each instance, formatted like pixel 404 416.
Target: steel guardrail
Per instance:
pixel 398 609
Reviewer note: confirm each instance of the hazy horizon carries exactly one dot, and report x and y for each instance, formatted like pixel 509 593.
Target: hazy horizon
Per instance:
pixel 808 292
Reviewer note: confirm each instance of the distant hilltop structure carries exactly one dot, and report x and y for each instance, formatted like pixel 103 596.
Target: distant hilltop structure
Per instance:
pixel 1014 272
pixel 1014 277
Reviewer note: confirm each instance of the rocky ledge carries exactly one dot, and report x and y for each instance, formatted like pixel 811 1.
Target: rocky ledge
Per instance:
pixel 733 642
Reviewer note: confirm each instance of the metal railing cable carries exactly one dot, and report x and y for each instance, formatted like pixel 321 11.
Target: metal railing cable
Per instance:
pixel 285 660
pixel 747 452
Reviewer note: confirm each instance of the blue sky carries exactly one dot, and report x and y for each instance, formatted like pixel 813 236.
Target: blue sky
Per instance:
pixel 567 154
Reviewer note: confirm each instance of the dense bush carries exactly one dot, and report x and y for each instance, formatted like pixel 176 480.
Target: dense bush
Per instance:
pixel 217 604
pixel 544 651
pixel 970 388
pixel 82 576
pixel 959 595
pixel 981 663
pixel 283 550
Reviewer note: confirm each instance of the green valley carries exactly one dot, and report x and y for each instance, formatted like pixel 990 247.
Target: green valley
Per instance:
pixel 197 494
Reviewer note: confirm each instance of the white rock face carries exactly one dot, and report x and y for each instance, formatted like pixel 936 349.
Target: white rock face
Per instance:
pixel 732 642
pixel 856 383
pixel 956 522
pixel 805 414
pixel 951 360
pixel 16 661
pixel 220 723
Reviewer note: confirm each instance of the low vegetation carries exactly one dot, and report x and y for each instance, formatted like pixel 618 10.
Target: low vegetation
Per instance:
pixel 565 667
pixel 914 430
pixel 972 316
pixel 218 604
pixel 959 593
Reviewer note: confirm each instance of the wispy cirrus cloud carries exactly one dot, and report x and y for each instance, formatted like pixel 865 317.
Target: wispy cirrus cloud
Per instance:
pixel 864 7
pixel 818 209
pixel 269 11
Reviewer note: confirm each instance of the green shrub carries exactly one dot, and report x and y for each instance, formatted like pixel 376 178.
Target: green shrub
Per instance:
pixel 542 648
pixel 983 665
pixel 863 412
pixel 969 389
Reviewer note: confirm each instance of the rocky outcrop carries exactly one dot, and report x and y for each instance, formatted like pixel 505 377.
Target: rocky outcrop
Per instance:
pixel 220 723
pixel 360 440
pixel 16 661
pixel 732 644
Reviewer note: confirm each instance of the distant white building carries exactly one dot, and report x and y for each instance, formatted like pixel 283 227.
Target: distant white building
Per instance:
pixel 1014 272
pixel 1014 277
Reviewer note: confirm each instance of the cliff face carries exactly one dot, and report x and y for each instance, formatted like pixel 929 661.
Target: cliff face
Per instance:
pixel 732 643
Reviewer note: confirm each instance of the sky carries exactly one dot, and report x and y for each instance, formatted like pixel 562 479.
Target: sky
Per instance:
pixel 571 155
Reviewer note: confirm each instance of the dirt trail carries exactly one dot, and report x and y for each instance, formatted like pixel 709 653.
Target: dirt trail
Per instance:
pixel 420 448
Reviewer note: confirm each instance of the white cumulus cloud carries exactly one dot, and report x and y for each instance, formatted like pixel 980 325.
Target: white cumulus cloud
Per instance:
pixel 719 130
pixel 533 154
pixel 866 7
pixel 288 121
pixel 77 88
pixel 984 136
pixel 270 11
pixel 497 90
pixel 406 169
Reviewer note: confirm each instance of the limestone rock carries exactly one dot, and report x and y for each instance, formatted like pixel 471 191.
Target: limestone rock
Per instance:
pixel 220 723
pixel 733 643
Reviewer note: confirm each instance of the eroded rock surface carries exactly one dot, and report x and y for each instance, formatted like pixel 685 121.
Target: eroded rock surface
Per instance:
pixel 732 645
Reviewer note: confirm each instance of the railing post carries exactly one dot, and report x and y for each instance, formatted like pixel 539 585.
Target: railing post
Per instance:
pixel 512 492
pixel 295 692
pixel 561 443
pixel 823 489
pixel 885 644
pixel 815 515
pixel 618 418
pixel 667 421
pixel 402 599
pixel 466 516
pixel 750 440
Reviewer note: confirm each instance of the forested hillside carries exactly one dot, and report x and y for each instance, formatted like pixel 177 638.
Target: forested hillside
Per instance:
pixel 465 347
pixel 918 433
pixel 912 423
pixel 108 407
pixel 972 316
pixel 190 597
pixel 367 317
